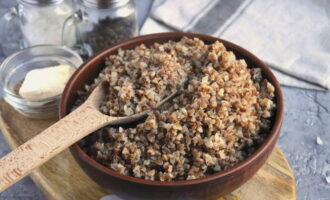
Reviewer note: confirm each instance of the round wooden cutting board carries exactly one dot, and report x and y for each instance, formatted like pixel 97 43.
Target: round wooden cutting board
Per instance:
pixel 62 178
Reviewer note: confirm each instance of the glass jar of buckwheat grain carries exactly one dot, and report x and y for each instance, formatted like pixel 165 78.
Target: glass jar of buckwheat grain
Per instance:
pixel 99 24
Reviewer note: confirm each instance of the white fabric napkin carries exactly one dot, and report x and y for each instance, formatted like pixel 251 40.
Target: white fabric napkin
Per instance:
pixel 293 37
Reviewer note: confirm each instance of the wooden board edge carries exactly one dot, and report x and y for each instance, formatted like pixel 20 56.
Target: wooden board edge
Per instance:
pixel 294 187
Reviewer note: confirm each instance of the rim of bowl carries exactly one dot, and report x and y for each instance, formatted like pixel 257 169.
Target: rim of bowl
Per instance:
pixel 270 139
pixel 12 56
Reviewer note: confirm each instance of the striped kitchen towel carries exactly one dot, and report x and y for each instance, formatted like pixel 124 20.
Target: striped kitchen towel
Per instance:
pixel 293 37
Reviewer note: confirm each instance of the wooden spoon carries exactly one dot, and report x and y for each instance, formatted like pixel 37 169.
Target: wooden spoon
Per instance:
pixel 81 122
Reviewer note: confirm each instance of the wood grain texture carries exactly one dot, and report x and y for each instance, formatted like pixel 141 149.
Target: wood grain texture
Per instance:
pixel 62 178
pixel 53 140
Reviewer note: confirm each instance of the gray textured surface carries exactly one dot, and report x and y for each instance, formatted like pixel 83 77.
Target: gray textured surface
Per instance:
pixel 307 117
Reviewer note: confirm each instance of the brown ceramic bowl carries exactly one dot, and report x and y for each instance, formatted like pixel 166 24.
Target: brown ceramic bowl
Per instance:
pixel 210 187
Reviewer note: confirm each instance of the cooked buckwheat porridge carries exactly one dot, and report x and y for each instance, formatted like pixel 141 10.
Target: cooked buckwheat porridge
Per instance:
pixel 220 116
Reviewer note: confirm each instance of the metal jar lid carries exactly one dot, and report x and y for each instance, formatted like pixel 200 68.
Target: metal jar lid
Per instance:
pixel 41 2
pixel 104 3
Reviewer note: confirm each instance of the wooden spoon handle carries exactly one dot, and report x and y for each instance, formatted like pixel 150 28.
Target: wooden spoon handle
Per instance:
pixel 33 153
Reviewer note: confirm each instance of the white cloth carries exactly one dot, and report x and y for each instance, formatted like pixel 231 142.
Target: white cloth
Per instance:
pixel 293 36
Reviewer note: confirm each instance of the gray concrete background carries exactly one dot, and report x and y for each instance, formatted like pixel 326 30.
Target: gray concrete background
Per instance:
pixel 307 117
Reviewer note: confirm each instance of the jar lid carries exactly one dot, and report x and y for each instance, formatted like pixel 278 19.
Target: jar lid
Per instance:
pixel 104 3
pixel 41 2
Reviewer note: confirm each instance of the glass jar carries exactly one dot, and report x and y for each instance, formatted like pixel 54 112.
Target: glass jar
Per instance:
pixel 39 21
pixel 99 24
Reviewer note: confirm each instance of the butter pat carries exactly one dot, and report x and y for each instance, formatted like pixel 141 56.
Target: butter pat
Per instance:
pixel 45 82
